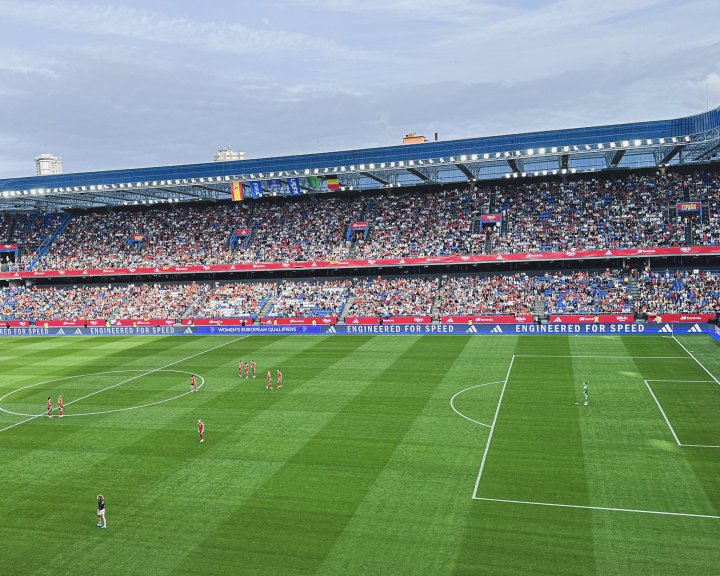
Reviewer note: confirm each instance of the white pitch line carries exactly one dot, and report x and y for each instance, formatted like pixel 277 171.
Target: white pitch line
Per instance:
pixel 699 446
pixel 698 361
pixel 74 376
pixel 452 402
pixel 685 381
pixel 663 413
pixel 21 422
pixel 153 371
pixel 492 427
pixel 134 378
pixel 599 357
pixel 606 508
pixel 202 383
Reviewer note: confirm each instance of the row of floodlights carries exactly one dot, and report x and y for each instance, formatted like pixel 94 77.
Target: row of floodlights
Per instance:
pixel 158 201
pixel 624 144
pixel 542 173
pixel 547 172
pixel 122 186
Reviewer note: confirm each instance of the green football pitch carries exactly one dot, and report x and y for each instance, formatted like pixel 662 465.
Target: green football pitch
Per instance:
pixel 382 455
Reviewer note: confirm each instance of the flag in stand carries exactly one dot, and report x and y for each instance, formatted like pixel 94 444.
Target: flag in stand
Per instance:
pixel 256 189
pixel 332 182
pixel 313 182
pixel 294 186
pixel 236 191
pixel 274 184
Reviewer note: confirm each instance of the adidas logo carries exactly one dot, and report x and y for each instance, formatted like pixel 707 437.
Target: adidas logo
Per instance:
pixel 666 329
pixel 61 331
pixel 472 330
pixel 496 330
pixel 331 330
pixel 77 332
pixel 188 331
pixel 695 328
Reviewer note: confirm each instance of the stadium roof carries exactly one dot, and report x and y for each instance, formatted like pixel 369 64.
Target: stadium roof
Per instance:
pixel 682 141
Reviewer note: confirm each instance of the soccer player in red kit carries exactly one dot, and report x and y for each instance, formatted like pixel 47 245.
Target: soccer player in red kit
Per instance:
pixel 193 384
pixel 269 378
pixel 279 379
pixel 49 405
pixel 240 368
pixel 61 406
pixel 201 431
pixel 253 366
pixel 247 370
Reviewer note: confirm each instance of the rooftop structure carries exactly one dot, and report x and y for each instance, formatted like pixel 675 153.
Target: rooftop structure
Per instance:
pixel 682 141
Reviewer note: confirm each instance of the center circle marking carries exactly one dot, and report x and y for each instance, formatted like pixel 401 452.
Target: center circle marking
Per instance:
pixel 126 409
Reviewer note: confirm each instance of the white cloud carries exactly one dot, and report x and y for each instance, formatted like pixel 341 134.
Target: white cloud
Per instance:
pixel 706 92
pixel 131 23
pixel 27 64
pixel 466 12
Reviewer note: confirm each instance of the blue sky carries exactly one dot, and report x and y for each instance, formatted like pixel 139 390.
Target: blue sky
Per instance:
pixel 124 84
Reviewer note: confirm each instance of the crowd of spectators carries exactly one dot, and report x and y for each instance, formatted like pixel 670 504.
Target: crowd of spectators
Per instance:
pixel 512 294
pixel 304 229
pixel 176 236
pixel 679 292
pixel 394 297
pixel 311 299
pixel 106 302
pixel 559 293
pixel 471 295
pixel 425 224
pixel 600 213
pixel 233 300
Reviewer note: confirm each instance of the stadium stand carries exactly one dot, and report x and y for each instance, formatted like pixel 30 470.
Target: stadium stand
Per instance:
pixel 303 229
pixel 393 296
pixel 310 299
pixel 99 302
pixel 599 213
pixel 679 292
pixel 232 300
pixel 608 291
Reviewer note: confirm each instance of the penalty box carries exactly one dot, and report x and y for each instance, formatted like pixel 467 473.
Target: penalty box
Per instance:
pixel 546 448
pixel 690 409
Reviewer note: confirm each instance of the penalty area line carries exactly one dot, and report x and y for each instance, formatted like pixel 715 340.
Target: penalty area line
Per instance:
pixel 696 360
pixel 667 421
pixel 604 508
pixel 492 427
